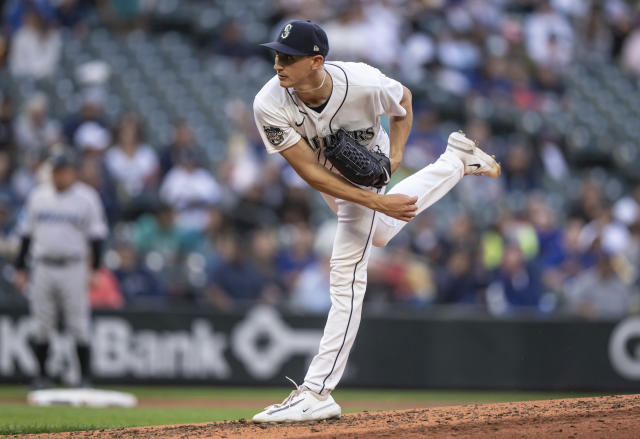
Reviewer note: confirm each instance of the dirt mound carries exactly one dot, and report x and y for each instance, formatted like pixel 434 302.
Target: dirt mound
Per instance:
pixel 603 417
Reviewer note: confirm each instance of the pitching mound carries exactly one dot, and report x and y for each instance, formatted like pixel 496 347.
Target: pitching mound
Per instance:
pixel 604 417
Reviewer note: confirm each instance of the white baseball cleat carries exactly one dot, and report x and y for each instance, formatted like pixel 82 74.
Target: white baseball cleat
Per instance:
pixel 476 161
pixel 301 405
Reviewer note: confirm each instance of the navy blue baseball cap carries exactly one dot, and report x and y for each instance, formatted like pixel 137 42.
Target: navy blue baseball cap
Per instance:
pixel 63 160
pixel 301 38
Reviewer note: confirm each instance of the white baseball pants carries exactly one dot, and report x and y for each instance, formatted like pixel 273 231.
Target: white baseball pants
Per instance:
pixel 358 228
pixel 55 288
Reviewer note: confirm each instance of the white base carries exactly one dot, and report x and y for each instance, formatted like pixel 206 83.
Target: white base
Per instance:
pixel 81 398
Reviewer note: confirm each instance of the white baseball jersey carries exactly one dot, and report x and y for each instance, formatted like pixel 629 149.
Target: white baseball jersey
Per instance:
pixel 360 95
pixel 61 223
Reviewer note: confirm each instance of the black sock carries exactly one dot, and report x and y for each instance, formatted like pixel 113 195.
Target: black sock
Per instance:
pixel 41 350
pixel 84 358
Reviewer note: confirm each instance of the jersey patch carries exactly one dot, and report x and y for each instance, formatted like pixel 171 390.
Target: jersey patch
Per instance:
pixel 274 134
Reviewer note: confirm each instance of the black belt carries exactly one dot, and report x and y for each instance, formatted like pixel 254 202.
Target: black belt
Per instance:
pixel 59 260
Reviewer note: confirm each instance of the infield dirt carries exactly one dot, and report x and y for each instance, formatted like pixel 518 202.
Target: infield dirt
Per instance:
pixel 602 417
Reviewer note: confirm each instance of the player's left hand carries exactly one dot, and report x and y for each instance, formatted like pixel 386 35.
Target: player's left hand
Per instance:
pixel 399 206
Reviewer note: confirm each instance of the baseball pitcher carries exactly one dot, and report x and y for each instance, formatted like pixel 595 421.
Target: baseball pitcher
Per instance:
pixel 324 119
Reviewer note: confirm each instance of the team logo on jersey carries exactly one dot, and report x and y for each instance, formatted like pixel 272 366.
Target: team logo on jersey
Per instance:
pixel 362 136
pixel 286 31
pixel 274 134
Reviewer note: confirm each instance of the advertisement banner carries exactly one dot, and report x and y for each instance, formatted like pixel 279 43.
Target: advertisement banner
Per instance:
pixel 263 345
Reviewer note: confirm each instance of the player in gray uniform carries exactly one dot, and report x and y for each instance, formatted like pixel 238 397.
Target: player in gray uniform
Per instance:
pixel 303 113
pixel 63 228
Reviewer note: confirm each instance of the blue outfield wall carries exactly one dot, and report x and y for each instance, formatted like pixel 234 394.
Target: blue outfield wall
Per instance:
pixel 263 345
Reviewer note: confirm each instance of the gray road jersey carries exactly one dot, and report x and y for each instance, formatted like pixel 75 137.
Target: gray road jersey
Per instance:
pixel 61 223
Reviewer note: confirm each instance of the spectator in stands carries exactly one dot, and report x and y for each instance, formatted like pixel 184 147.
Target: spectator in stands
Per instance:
pixel 605 227
pixel 159 239
pixel 35 46
pixel 518 169
pixel 349 35
pixel 7 194
pixel 72 14
pixel 264 249
pixel 183 139
pixel 365 33
pixel 26 176
pixel 627 211
pixel 590 202
pixel 456 281
pixel 550 236
pixel 35 131
pixel 494 82
pixel 548 36
pixel 9 245
pixel 158 233
pixel 552 157
pixel 8 240
pixel 133 164
pixel 309 291
pixel 296 254
pixel 104 292
pixel 516 284
pixel 295 207
pixel 233 43
pixel 560 255
pixel 425 140
pixel 91 110
pixel 523 94
pixel 92 140
pixel 410 280
pixel 457 51
pixel 632 253
pixel 461 234
pixel 139 286
pixel 7 140
pixel 124 15
pixel 15 11
pixel 252 211
pixel 630 57
pixel 600 292
pixel 595 37
pixel 235 282
pixel 191 190
pixel 574 258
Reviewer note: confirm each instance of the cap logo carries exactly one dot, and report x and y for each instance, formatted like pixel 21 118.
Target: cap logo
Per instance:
pixel 316 48
pixel 286 31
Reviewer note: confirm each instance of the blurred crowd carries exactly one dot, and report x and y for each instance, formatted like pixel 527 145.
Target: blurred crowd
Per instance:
pixel 552 235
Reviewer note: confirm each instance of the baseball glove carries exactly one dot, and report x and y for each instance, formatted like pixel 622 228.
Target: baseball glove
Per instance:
pixel 356 163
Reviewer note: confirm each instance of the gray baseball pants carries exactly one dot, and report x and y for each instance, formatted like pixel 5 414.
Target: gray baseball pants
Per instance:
pixel 55 288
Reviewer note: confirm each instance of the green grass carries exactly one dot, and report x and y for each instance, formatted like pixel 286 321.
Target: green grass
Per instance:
pixel 22 419
pixel 16 419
